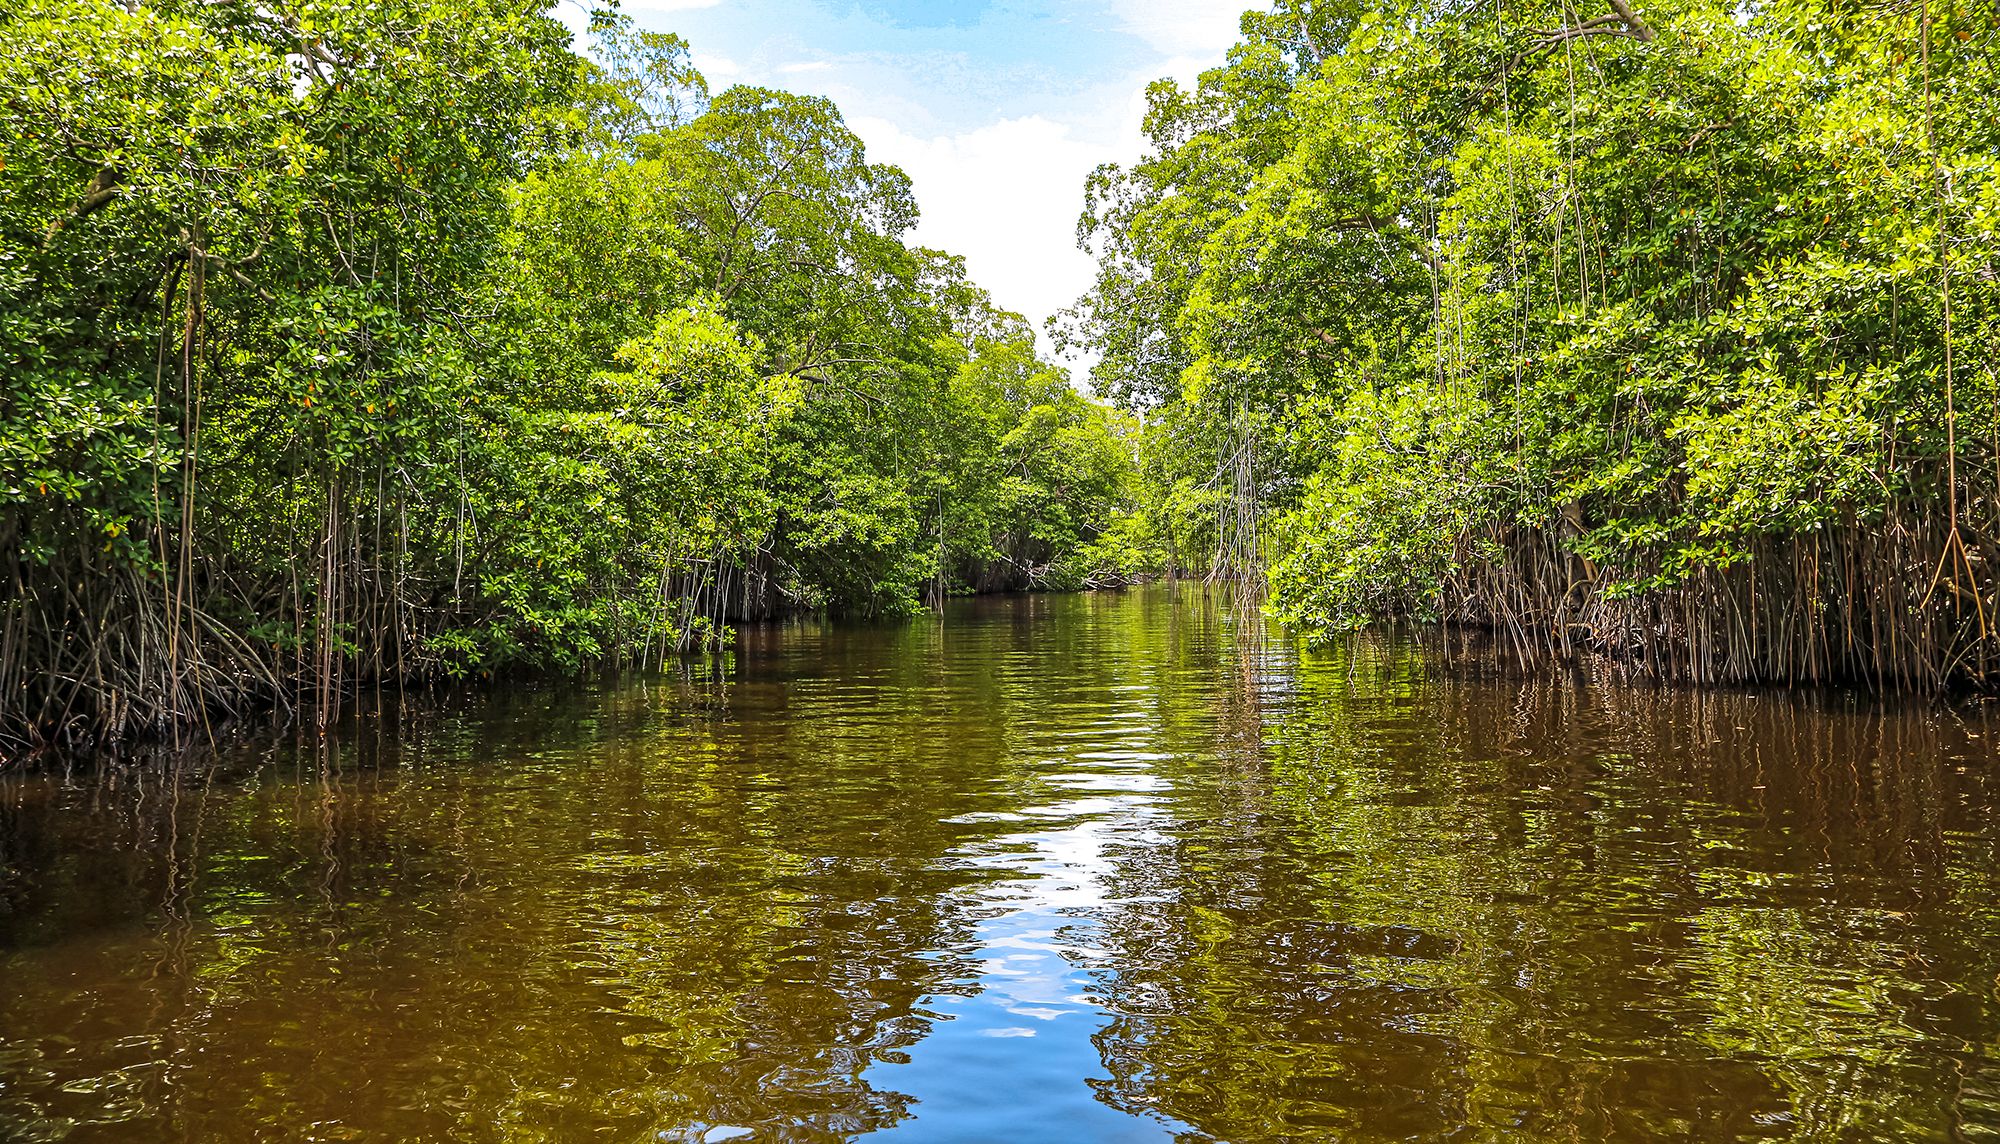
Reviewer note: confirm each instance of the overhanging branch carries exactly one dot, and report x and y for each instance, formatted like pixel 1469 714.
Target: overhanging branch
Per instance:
pixel 103 188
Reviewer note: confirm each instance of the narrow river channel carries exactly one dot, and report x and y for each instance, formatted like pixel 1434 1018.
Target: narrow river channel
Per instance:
pixel 1067 868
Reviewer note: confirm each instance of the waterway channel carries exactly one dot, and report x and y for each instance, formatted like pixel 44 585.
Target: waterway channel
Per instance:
pixel 1107 867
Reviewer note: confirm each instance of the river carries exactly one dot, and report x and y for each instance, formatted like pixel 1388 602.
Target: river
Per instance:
pixel 1055 868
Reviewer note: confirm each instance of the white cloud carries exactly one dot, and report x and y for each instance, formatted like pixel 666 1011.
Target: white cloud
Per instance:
pixel 1005 196
pixel 1182 27
pixel 998 126
pixel 714 68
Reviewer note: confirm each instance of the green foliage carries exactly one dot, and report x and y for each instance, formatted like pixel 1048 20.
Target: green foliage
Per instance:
pixel 355 337
pixel 1389 515
pixel 1041 470
pixel 1699 284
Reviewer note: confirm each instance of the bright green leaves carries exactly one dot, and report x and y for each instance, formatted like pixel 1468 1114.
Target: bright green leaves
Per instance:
pixel 115 111
pixel 716 357
pixel 647 84
pixel 1394 512
pixel 697 354
pixel 1041 473
pixel 1778 457
pixel 397 333
pixel 1691 282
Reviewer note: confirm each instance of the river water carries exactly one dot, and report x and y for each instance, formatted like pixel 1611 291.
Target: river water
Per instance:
pixel 1064 868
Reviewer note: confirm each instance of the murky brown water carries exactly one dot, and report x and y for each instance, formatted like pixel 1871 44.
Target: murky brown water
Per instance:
pixel 1094 868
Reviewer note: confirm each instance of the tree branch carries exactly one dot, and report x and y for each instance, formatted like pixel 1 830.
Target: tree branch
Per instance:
pixel 102 190
pixel 229 267
pixel 1623 20
pixel 1641 30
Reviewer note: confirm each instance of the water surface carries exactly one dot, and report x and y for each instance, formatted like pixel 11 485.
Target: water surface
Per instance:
pixel 1085 868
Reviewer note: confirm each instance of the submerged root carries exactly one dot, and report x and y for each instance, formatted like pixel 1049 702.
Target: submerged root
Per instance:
pixel 1857 605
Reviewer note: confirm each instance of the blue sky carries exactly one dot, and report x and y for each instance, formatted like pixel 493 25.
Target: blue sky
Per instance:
pixel 998 109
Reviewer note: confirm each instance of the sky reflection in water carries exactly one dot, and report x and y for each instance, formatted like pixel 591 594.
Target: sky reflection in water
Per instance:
pixel 1081 868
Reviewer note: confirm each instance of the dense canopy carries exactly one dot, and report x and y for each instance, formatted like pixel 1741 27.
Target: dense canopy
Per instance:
pixel 351 340
pixel 1663 333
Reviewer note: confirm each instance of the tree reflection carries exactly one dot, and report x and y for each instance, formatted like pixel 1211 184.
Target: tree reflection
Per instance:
pixel 1317 895
pixel 1477 907
pixel 650 922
